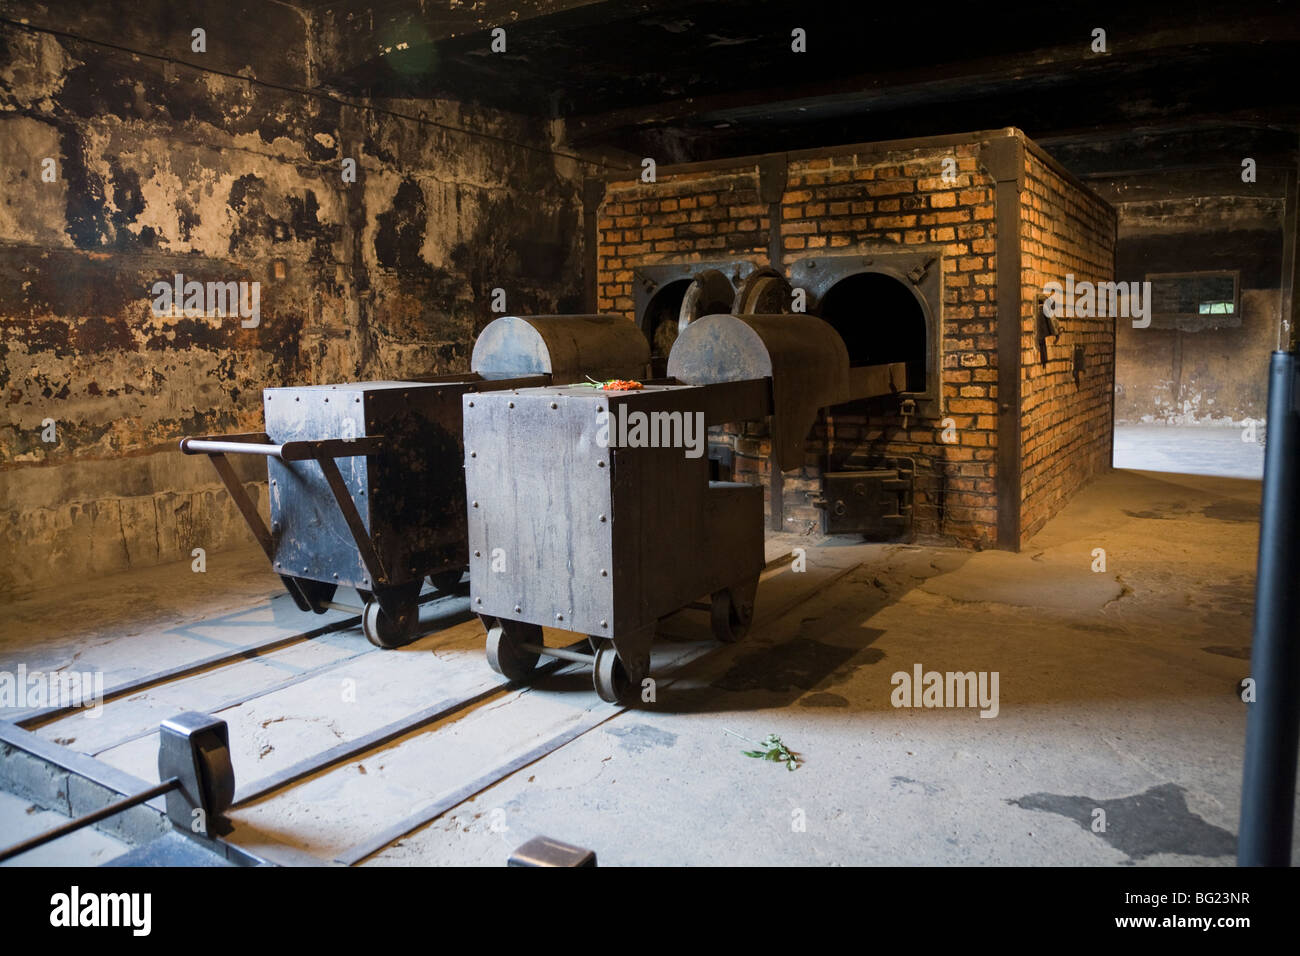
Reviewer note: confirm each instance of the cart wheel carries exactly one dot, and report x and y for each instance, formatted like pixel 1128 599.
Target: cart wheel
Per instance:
pixel 446 582
pixel 505 656
pixel 387 632
pixel 730 619
pixel 610 675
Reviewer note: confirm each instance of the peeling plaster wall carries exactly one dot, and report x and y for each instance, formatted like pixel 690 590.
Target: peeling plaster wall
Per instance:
pixel 218 166
pixel 1188 222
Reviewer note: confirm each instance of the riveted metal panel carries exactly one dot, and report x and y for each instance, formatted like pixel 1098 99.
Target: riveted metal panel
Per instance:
pixel 658 502
pixel 579 521
pixel 676 536
pixel 537 485
pixel 409 496
pixel 310 537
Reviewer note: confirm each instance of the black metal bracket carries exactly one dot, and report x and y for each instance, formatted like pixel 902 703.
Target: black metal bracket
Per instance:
pixel 194 750
pixel 323 452
pixel 196 777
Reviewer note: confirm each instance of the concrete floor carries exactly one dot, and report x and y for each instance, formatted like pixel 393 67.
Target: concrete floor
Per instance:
pixel 1190 450
pixel 1117 694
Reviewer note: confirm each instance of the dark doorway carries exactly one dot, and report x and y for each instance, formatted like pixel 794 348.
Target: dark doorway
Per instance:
pixel 880 320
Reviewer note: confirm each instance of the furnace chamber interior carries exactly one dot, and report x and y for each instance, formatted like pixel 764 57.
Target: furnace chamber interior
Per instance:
pixel 659 321
pixel 880 320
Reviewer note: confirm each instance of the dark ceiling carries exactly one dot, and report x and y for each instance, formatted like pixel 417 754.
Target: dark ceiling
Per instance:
pixel 1181 84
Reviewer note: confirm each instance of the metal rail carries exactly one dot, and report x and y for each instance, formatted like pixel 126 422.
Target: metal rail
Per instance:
pixel 448 801
pixel 377 738
pixel 44 715
pixel 37 718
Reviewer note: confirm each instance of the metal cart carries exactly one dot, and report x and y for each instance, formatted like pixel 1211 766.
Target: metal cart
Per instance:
pixel 366 480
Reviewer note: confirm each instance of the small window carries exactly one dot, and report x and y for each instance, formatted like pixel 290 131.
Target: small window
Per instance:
pixel 1193 301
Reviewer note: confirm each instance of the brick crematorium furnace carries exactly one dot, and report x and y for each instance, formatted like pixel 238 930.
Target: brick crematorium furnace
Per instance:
pixel 913 250
pixel 670 433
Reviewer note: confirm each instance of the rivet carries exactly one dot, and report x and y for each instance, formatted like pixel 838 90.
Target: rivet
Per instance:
pixel 553 405
pixel 600 408
pixel 600 464
pixel 297 398
pixel 510 404
pixel 602 517
pixel 473 454
pixel 559 617
pixel 604 623
pixel 471 404
pixel 358 398
pixel 304 569
pixel 478 554
pixel 336 576
pixel 604 573
pixel 476 504
pixel 277 564
pixel 518 609
pixel 272 481
pixel 478 600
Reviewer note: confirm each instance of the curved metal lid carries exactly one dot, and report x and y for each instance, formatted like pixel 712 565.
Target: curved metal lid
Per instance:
pixel 803 356
pixel 569 348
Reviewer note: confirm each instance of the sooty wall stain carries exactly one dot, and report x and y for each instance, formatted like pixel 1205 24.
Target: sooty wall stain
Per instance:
pixel 166 167
pixel 400 236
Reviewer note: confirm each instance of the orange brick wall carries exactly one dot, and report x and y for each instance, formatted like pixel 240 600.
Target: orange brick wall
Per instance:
pixel 1065 427
pixel 681 218
pixel 873 201
pixel 865 202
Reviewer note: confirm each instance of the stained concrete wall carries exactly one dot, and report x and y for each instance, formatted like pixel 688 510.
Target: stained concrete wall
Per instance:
pixel 222 166
pixel 1188 221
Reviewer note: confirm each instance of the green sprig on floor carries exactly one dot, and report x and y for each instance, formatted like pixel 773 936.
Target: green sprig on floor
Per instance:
pixel 771 748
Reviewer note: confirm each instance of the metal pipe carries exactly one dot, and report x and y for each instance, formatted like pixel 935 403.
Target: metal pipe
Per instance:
pixel 563 653
pixel 348 608
pixel 200 446
pixel 1273 720
pixel 116 806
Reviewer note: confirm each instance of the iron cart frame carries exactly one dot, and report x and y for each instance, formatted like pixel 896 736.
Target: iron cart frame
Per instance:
pixel 394 513
pixel 570 530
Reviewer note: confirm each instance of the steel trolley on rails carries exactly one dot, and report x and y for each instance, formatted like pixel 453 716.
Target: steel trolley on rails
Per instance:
pixel 366 482
pixel 573 526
